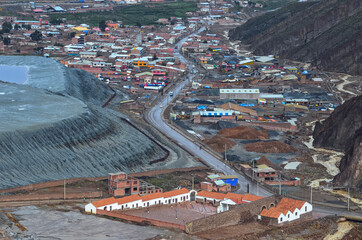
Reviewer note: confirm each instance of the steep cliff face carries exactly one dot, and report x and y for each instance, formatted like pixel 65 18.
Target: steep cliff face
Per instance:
pixel 326 33
pixel 338 131
pixel 351 166
pixel 343 131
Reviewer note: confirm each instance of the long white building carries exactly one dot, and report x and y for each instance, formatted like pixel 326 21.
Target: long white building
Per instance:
pixel 136 201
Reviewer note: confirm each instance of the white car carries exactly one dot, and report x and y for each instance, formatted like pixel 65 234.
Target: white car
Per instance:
pixel 161 106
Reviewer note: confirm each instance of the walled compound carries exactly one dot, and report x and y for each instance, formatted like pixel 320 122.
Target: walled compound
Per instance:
pixel 230 208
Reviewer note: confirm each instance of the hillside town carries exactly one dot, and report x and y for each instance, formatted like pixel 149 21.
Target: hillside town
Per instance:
pixel 253 114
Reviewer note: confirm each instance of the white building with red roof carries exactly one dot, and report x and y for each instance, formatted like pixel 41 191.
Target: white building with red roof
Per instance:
pixel 225 200
pixel 287 210
pixel 136 201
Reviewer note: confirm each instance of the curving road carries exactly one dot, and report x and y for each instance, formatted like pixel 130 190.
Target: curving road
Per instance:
pixel 154 116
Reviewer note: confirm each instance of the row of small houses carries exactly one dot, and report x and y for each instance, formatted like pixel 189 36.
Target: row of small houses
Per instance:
pixel 286 210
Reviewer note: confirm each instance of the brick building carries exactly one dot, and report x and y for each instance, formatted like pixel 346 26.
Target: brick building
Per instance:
pixel 120 184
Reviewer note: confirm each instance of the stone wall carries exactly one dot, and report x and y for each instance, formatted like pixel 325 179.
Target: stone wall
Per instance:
pixel 140 219
pixel 238 214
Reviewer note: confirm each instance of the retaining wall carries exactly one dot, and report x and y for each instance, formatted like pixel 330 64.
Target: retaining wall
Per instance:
pixel 239 214
pixel 140 219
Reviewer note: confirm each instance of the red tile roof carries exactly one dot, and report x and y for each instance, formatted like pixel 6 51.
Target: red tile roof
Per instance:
pixel 215 195
pixel 285 205
pixel 104 202
pixel 236 198
pixel 128 199
pixel 251 198
pixel 271 212
pixel 151 196
pixel 175 192
pixel 289 204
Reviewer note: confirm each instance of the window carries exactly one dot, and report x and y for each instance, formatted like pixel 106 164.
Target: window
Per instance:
pixel 281 219
pixel 288 215
pixel 296 214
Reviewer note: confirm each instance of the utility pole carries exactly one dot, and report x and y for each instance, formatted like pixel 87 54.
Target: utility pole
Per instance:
pixel 280 185
pixel 348 200
pixel 225 156
pixel 311 194
pixel 257 188
pixel 253 170
pixel 193 180
pixel 64 190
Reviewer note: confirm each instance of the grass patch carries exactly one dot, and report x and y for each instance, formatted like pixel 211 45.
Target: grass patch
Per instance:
pixel 141 14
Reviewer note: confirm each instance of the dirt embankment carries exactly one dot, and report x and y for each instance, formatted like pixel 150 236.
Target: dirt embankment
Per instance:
pixel 264 160
pixel 218 143
pixel 244 133
pixel 269 147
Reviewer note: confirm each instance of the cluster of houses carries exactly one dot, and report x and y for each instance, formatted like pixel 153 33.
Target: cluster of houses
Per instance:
pixel 285 211
pixel 219 183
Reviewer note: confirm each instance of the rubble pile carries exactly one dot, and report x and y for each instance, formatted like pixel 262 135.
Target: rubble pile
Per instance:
pixel 269 147
pixel 244 133
pixel 218 143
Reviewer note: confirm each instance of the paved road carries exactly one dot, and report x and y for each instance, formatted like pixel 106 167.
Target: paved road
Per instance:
pixel 155 118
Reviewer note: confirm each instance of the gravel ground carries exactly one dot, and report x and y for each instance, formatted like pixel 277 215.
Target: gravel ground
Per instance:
pixel 51 224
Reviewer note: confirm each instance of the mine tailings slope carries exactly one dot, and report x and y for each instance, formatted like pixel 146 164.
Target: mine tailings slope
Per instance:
pixel 326 33
pixel 91 142
pixel 342 131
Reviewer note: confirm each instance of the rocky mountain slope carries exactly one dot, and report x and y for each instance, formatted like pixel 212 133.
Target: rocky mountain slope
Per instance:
pixel 326 33
pixel 342 131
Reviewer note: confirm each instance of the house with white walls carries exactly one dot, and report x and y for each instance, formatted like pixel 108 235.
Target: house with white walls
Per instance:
pixel 136 201
pixel 108 204
pixel 224 201
pixel 286 211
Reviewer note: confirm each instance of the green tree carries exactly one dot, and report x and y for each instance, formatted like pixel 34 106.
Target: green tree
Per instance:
pixel 6 41
pixel 28 26
pixel 72 34
pixel 16 27
pixel 7 27
pixel 36 36
pixel 102 25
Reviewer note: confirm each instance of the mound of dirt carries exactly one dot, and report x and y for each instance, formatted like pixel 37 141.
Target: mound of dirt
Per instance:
pixel 242 132
pixel 218 143
pixel 269 147
pixel 223 124
pixel 264 160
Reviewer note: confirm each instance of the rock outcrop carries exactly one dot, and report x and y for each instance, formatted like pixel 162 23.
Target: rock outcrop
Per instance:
pixel 342 131
pixel 326 33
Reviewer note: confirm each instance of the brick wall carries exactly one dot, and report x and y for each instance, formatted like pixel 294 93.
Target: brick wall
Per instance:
pixel 239 213
pixel 140 219
pixel 285 183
